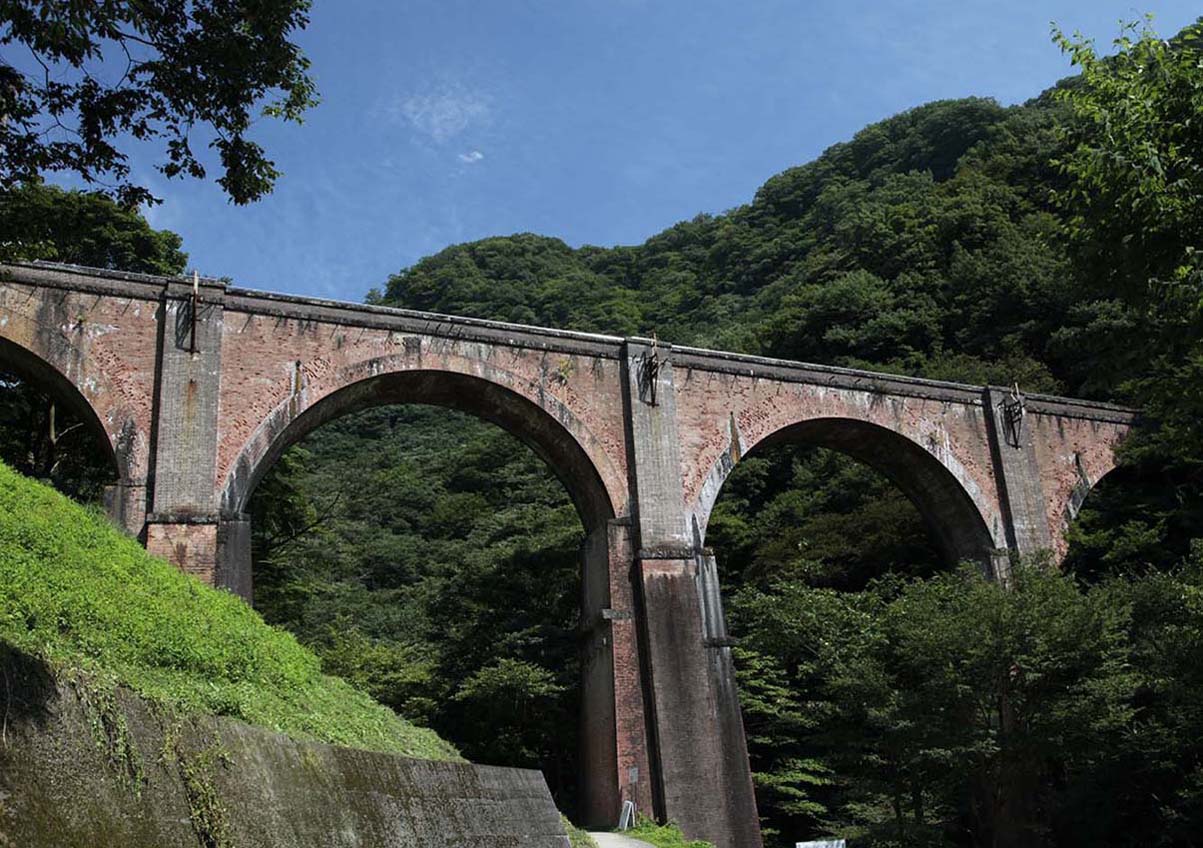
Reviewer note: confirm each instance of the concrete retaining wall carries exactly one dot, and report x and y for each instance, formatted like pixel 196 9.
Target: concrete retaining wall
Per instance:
pixel 79 769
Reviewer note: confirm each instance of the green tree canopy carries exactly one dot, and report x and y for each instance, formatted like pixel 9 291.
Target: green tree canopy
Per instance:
pixel 187 72
pixel 1135 210
pixel 39 221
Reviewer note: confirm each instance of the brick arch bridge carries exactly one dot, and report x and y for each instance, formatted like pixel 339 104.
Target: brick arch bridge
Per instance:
pixel 199 392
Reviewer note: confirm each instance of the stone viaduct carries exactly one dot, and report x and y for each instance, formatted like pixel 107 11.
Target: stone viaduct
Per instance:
pixel 198 391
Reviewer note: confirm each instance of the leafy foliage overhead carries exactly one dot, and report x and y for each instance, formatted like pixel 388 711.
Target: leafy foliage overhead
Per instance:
pixel 1135 214
pixel 102 76
pixel 1135 202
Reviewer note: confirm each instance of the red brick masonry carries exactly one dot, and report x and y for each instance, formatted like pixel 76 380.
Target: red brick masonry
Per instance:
pixel 199 394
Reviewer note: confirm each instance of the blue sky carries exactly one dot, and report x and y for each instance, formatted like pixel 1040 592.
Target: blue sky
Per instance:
pixel 596 121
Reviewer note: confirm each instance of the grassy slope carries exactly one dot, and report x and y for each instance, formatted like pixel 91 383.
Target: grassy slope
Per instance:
pixel 90 600
pixel 577 838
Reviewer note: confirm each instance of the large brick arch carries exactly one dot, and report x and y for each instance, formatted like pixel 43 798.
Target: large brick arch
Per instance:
pixel 548 428
pixel 948 508
pixel 313 393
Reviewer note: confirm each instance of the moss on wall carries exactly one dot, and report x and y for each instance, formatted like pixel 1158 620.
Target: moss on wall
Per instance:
pixel 81 767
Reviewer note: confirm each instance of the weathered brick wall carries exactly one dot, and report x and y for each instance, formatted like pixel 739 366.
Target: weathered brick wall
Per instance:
pixel 631 744
pixel 192 547
pixel 274 368
pixel 1074 452
pixel 282 356
pixel 102 346
pixel 725 415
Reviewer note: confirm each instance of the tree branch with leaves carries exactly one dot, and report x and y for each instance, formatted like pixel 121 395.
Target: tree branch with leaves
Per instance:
pixel 81 83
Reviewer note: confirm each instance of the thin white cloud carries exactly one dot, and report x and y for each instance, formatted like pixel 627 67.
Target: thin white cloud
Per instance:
pixel 441 114
pixel 471 157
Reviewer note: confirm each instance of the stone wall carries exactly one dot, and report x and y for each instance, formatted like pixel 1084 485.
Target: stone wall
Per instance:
pixel 79 769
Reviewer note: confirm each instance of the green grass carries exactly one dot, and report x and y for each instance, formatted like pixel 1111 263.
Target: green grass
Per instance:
pixel 577 838
pixel 663 836
pixel 90 601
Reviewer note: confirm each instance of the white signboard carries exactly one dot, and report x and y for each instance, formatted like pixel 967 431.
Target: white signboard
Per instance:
pixel 626 820
pixel 822 843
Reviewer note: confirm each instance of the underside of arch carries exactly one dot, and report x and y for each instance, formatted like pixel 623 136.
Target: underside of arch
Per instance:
pixel 954 521
pixel 540 430
pixel 51 381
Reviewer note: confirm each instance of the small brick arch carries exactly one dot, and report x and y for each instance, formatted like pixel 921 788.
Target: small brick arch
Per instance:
pixel 1088 480
pixel 88 396
pixel 947 506
pixel 1075 455
pixel 549 429
pixel 1069 500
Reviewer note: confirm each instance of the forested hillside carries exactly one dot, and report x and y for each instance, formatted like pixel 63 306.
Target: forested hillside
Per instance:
pixel 935 243
pixel 888 697
pixel 925 245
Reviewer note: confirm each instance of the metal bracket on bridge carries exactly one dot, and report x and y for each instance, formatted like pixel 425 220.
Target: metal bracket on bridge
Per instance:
pixel 1013 411
pixel 649 373
pixel 192 312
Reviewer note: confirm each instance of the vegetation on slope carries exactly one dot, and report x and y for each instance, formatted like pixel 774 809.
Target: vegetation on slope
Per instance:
pixel 926 245
pixel 1054 245
pixel 76 592
pixel 577 838
pixel 663 835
